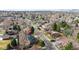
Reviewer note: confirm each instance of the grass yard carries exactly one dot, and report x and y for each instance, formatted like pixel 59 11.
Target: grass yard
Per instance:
pixel 3 44
pixel 2 32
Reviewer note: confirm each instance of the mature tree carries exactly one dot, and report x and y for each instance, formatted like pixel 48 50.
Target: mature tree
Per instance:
pixel 64 25
pixel 67 32
pixel 69 46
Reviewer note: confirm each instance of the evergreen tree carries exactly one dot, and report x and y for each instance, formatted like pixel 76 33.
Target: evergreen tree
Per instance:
pixel 78 37
pixel 56 27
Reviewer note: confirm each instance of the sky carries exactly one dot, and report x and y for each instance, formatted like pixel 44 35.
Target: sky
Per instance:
pixel 38 4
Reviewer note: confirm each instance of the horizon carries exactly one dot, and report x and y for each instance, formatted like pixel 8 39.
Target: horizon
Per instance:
pixel 40 10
